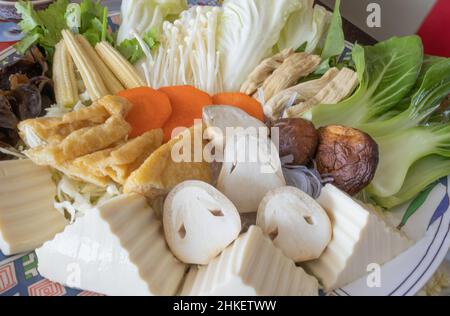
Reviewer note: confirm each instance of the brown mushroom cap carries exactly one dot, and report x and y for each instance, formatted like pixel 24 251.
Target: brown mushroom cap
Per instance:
pixel 349 155
pixel 299 138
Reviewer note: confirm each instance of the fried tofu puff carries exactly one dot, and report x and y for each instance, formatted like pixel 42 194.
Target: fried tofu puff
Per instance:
pixel 160 173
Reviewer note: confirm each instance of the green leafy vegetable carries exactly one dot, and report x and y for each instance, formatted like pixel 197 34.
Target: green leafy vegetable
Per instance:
pixel 335 40
pixel 418 202
pixel 98 30
pixel 387 72
pixel 30 19
pixel 131 49
pixel 41 27
pixel 433 88
pixel 302 48
pixel 400 89
pixel 400 150
pixel 323 67
pixel 422 174
pixel 44 27
pixel 94 22
pixel 105 34
pixel 144 20
pixel 90 10
pixel 27 41
pixel 428 62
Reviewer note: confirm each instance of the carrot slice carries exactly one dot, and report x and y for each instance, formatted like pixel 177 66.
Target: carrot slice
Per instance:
pixel 151 109
pixel 187 106
pixel 242 101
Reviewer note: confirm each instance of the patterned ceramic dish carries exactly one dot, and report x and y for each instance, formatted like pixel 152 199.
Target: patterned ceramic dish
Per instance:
pixel 406 275
pixel 8 11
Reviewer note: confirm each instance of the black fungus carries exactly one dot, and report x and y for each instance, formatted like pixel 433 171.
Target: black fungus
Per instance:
pixel 25 92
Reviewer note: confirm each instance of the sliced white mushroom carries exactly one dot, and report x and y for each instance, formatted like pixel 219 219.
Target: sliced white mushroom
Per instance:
pixel 199 222
pixel 295 222
pixel 252 168
pixel 220 117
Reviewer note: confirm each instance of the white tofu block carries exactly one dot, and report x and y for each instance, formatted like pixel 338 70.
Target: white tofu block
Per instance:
pixel 117 248
pixel 251 266
pixel 360 238
pixel 27 215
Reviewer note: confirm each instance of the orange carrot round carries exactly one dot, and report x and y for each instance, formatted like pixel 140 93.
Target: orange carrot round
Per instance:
pixel 151 109
pixel 242 101
pixel 187 105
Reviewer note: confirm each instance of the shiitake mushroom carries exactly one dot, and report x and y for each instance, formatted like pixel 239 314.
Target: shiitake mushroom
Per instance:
pixel 298 140
pixel 348 155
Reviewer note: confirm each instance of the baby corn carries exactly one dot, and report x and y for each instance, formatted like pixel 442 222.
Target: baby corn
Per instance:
pixel 91 77
pixel 110 80
pixel 66 90
pixel 123 70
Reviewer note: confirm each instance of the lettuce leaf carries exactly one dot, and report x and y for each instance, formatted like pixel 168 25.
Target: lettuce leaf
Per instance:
pixel 247 34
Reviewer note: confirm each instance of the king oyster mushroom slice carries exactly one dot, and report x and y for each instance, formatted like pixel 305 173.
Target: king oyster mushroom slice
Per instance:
pixel 220 117
pixel 251 168
pixel 199 222
pixel 295 222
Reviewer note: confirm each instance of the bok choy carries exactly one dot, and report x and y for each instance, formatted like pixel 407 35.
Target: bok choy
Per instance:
pixel 434 87
pixel 387 72
pixel 400 150
pixel 423 173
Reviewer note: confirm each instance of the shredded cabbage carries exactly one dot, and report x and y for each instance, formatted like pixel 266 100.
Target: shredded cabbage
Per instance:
pixel 74 198
pixel 57 110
